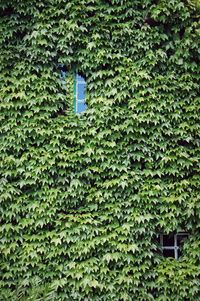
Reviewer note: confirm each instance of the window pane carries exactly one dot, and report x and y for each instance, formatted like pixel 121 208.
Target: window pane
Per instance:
pixel 81 91
pixel 79 78
pixel 181 238
pixel 179 253
pixel 168 240
pixel 81 106
pixel 168 253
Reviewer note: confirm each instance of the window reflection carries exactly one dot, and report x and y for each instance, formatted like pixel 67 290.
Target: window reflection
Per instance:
pixel 80 93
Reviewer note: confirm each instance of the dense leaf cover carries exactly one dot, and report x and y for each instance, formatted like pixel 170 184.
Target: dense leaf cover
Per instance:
pixel 84 196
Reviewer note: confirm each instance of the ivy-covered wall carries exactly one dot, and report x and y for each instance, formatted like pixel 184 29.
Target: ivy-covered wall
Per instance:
pixel 84 196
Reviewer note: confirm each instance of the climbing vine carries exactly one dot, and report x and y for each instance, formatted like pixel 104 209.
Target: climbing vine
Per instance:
pixel 83 197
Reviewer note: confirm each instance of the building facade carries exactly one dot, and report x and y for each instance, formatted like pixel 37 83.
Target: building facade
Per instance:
pixel 99 150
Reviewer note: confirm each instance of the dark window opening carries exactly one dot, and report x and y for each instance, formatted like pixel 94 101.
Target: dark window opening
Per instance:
pixel 171 244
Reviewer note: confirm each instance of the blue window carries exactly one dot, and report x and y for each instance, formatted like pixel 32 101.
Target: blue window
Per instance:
pixel 79 104
pixel 79 93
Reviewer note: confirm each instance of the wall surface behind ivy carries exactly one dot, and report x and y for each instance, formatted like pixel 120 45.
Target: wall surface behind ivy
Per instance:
pixel 84 196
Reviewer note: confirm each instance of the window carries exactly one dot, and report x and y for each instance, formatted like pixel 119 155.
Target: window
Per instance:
pixel 171 244
pixel 79 94
pixel 79 104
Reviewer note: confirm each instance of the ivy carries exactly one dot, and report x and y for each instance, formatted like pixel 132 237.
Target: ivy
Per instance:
pixel 84 196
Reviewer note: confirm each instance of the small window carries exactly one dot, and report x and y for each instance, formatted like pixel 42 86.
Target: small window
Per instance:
pixel 171 244
pixel 79 93
pixel 79 104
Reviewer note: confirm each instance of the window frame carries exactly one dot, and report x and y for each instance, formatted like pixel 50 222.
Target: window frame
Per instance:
pixel 175 246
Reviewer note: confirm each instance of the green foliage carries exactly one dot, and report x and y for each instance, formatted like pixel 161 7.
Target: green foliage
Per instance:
pixel 195 4
pixel 83 196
